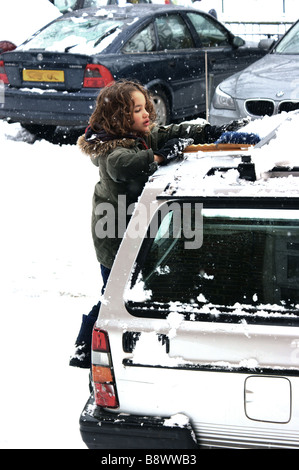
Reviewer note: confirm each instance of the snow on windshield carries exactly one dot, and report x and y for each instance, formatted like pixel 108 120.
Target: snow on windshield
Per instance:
pixel 83 35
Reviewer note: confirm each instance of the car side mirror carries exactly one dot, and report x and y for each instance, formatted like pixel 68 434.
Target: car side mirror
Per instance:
pixel 238 42
pixel 266 44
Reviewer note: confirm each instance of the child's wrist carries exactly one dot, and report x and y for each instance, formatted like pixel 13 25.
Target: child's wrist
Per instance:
pixel 158 159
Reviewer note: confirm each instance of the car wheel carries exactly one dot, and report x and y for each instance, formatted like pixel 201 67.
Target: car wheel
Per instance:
pixel 40 131
pixel 161 105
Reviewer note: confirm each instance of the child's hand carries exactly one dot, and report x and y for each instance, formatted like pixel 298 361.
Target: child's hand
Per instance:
pixel 172 149
pixel 236 124
pixel 212 133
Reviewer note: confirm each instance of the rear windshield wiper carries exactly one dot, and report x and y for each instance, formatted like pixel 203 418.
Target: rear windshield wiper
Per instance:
pixel 70 47
pixel 105 35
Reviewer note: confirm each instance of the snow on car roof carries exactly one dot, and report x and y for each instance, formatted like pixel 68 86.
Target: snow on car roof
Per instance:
pixel 212 175
pixel 216 173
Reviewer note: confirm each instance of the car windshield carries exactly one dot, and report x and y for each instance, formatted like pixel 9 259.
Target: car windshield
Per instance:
pixel 83 35
pixel 290 43
pixel 239 261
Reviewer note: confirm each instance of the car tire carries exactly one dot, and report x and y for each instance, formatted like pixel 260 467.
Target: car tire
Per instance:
pixel 161 105
pixel 44 132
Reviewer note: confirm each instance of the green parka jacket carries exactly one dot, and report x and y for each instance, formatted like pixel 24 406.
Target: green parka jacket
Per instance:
pixel 124 166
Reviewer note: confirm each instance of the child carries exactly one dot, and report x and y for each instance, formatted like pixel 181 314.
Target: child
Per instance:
pixel 126 145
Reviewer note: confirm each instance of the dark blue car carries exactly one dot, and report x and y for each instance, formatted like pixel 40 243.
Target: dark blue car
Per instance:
pixel 54 77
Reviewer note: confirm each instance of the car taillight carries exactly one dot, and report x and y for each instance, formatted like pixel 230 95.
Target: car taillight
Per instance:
pixel 3 76
pixel 96 76
pixel 102 371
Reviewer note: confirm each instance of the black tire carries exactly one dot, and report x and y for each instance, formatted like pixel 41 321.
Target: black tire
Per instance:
pixel 54 135
pixel 161 105
pixel 43 132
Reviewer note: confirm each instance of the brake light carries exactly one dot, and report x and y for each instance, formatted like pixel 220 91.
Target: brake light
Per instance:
pixel 96 76
pixel 3 76
pixel 100 341
pixel 102 371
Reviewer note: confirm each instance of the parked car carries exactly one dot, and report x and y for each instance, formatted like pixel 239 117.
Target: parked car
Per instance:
pixel 268 86
pixel 196 343
pixel 55 76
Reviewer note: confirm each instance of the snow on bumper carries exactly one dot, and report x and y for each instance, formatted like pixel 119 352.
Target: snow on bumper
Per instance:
pixel 102 429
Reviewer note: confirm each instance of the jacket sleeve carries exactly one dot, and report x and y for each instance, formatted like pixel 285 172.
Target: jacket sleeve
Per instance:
pixel 202 133
pixel 160 135
pixel 127 164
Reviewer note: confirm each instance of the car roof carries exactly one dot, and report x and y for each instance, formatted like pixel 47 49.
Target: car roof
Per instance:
pixel 130 10
pixel 221 174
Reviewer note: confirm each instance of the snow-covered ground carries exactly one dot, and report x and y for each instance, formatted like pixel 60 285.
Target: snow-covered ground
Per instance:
pixel 50 277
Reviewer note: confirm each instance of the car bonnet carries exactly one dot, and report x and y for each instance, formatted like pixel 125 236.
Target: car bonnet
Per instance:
pixel 269 77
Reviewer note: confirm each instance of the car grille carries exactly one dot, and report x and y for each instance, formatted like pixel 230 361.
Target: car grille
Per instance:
pixel 288 106
pixel 267 107
pixel 260 107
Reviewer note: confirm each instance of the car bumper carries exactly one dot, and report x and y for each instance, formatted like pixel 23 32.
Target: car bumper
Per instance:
pixel 46 107
pixel 102 429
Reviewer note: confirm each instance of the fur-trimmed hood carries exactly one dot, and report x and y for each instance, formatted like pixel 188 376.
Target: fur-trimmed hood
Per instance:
pixel 98 148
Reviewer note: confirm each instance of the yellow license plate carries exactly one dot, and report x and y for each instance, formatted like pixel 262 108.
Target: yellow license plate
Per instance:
pixel 56 76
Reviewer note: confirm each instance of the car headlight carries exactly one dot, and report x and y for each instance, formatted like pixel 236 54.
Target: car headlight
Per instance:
pixel 222 100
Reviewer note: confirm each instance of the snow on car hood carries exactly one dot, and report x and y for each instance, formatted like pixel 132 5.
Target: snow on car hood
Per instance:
pixel 269 77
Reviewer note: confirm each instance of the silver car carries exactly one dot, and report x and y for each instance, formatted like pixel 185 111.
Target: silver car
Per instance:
pixel 267 87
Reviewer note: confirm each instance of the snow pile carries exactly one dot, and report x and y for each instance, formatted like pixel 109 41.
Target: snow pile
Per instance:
pixel 178 419
pixel 282 150
pixel 137 292
pixel 150 350
pixel 190 177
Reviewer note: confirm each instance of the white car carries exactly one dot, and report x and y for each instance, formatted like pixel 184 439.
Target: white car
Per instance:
pixel 196 344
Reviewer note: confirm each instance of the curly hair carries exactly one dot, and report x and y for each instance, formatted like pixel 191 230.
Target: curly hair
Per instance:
pixel 114 107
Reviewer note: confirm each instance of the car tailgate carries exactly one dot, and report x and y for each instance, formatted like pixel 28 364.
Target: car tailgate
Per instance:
pixel 224 383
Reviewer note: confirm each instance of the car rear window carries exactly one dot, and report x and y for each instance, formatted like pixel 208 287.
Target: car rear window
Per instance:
pixel 221 265
pixel 77 34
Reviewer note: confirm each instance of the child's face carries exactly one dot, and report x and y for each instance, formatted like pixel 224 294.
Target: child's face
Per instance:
pixel 140 115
